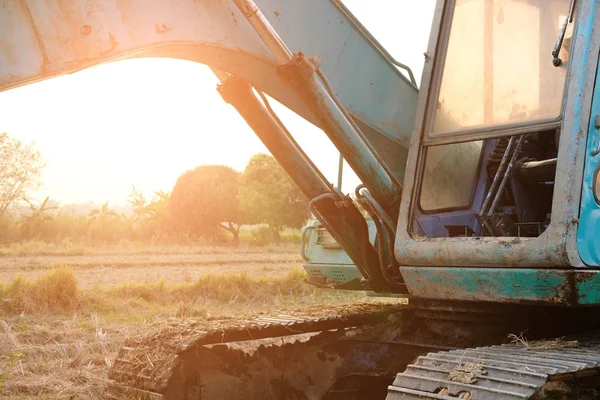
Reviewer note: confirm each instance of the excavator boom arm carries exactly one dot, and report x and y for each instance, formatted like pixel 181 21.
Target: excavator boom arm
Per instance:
pixel 300 53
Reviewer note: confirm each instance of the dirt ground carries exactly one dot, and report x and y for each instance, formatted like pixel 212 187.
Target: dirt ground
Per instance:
pixel 65 353
pixel 114 269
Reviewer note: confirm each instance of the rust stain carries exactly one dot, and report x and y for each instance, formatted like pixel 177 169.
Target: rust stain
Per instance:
pixel 6 48
pixel 396 126
pixel 38 36
pixel 567 292
pixel 113 44
pixel 161 28
pixel 93 6
pixel 113 41
pixel 231 9
pixel 86 30
pixel 276 13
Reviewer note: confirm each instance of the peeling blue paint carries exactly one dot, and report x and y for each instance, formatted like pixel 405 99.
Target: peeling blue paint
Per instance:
pixel 561 287
pixel 488 284
pixel 588 288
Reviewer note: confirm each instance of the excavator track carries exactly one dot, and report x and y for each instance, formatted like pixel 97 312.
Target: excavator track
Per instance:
pixel 325 353
pixel 145 364
pixel 514 371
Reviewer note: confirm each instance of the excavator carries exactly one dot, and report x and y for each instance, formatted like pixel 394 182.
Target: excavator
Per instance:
pixel 479 202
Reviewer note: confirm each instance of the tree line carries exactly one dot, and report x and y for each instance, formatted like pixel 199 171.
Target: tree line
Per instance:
pixel 204 203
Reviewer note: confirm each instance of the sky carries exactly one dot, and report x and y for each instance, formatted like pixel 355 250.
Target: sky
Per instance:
pixel 144 122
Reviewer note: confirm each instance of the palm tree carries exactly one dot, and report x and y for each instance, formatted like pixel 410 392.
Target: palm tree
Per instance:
pixel 101 217
pixel 151 214
pixel 102 214
pixel 32 223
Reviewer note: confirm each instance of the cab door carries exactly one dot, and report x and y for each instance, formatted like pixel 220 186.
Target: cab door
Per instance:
pixel 588 235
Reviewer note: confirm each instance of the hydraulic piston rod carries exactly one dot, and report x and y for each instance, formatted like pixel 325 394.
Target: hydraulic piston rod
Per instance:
pixel 239 94
pixel 338 125
pixel 339 215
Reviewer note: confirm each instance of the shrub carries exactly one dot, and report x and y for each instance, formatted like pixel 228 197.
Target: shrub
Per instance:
pixel 54 291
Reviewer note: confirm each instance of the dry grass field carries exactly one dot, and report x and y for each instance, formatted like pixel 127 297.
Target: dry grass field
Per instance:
pixel 65 309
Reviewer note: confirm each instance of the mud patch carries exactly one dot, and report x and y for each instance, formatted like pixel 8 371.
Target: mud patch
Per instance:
pixel 467 373
pixel 570 390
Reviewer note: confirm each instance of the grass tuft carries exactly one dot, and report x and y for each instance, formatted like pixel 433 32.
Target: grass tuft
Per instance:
pixel 56 291
pixel 230 288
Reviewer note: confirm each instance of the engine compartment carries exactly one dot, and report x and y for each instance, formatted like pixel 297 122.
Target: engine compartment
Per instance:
pixel 497 187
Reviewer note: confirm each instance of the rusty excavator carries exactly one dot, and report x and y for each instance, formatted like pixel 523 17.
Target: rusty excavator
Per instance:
pixel 482 189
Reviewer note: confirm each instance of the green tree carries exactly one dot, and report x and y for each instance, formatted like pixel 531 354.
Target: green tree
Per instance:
pixel 205 199
pixel 268 195
pixel 20 169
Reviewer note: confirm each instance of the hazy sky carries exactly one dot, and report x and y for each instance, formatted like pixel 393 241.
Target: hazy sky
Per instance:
pixel 146 121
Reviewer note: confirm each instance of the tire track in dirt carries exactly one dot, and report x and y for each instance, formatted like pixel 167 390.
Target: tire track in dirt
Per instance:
pixel 103 270
pixel 130 260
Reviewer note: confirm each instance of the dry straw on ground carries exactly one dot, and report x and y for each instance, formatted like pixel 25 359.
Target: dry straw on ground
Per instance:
pixel 557 343
pixel 58 340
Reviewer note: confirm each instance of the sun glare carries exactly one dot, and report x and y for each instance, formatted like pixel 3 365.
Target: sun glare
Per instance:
pixel 141 122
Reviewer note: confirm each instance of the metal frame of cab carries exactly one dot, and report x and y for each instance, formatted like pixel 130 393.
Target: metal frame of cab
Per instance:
pixel 508 269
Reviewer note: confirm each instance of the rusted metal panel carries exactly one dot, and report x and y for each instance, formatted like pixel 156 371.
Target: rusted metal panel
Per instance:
pixel 505 285
pixel 588 287
pixel 490 284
